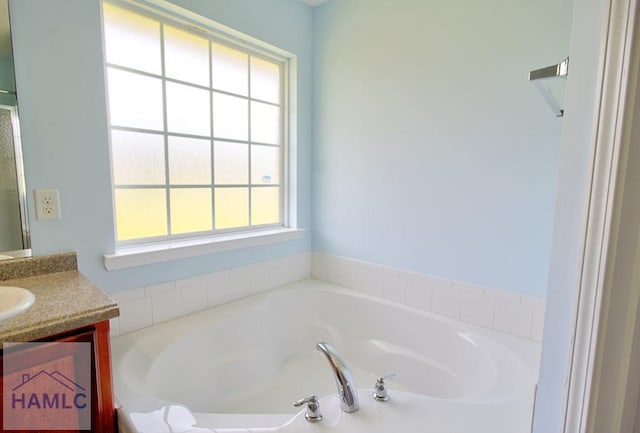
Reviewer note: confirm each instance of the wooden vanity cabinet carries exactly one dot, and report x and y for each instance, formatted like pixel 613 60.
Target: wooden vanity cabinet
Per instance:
pixel 28 361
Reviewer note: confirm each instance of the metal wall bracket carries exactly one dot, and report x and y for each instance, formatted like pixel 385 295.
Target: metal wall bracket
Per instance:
pixel 539 79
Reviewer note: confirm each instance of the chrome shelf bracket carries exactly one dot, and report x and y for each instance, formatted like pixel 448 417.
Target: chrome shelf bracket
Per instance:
pixel 539 79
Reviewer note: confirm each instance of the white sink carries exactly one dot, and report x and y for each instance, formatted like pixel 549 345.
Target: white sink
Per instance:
pixel 14 300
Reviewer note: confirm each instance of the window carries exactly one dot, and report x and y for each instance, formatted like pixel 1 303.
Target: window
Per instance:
pixel 197 129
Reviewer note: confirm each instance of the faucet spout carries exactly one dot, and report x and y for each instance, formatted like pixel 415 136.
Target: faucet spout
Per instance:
pixel 344 381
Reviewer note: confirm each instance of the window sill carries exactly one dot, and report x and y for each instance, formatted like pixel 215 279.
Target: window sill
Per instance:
pixel 140 255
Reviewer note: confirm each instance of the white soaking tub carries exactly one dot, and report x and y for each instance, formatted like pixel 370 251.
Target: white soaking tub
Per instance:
pixel 239 367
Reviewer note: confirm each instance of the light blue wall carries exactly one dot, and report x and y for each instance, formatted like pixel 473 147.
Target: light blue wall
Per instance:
pixel 432 151
pixel 60 80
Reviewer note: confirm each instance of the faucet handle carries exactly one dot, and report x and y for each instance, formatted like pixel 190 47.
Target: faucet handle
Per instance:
pixel 313 408
pixel 380 390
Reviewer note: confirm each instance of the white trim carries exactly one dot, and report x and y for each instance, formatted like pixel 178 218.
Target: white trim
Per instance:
pixel 141 255
pixel 25 233
pixel 167 13
pixel 597 396
pixel 615 378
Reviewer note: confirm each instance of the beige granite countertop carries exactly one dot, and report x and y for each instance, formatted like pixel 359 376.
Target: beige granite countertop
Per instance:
pixel 64 301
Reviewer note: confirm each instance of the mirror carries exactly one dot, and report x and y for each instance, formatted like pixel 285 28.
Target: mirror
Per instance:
pixel 14 231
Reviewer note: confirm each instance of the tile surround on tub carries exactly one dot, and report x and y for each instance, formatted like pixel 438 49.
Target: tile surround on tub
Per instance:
pixel 502 311
pixel 511 313
pixel 146 306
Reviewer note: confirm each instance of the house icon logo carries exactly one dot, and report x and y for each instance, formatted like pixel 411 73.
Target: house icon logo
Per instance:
pixel 48 393
pixel 29 394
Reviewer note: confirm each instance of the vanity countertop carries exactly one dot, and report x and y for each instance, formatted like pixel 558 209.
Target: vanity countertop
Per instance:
pixel 64 301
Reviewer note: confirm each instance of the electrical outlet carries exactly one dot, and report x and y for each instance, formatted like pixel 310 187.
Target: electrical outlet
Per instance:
pixel 47 204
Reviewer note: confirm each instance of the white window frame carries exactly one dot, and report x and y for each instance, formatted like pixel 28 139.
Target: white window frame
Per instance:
pixel 140 252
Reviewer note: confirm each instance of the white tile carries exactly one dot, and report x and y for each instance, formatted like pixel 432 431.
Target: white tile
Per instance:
pixel 299 267
pixel 439 283
pixel 218 288
pixel 238 281
pixel 166 306
pixel 257 278
pixel 277 272
pixel 189 283
pixel 193 293
pixel 418 295
pixel 503 295
pixel 330 273
pixel 336 270
pixel 411 276
pixel 289 269
pixel 134 315
pixel 371 280
pixel 514 319
pixel 537 327
pixel 446 301
pixel 194 300
pixel 319 266
pixel 478 310
pixel 344 272
pixel 114 327
pixel 127 295
pixel 214 279
pixel 534 302
pixel 393 287
pixel 166 302
pixel 468 288
pixel 352 274
pixel 159 289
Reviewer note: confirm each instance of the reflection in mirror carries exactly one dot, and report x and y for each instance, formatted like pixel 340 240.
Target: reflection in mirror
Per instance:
pixel 14 232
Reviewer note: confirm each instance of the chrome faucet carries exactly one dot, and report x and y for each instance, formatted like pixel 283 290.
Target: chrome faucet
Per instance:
pixel 344 381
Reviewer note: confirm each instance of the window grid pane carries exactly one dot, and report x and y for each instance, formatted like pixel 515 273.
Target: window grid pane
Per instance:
pixel 135 100
pixel 188 110
pixel 140 213
pixel 186 56
pixel 265 205
pixel 231 163
pixel 218 109
pixel 129 149
pixel 131 40
pixel 232 207
pixel 190 210
pixel 189 161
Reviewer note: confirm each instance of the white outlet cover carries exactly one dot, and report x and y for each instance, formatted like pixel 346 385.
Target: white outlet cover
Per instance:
pixel 47 204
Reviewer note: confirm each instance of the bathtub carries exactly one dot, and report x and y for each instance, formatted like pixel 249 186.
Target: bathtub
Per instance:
pixel 239 367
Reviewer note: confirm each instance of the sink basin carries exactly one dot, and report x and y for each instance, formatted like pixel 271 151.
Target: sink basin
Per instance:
pixel 14 300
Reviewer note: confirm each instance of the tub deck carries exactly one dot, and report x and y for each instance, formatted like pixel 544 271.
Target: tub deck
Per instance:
pixel 241 365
